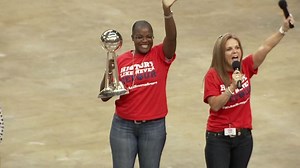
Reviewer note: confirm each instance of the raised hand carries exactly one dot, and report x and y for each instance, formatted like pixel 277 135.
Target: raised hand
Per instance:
pixel 168 3
pixel 286 22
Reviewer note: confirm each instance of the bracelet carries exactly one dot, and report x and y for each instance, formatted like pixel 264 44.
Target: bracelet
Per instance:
pixel 169 16
pixel 230 90
pixel 281 31
pixel 227 92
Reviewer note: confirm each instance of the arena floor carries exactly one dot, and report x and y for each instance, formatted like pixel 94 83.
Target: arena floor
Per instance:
pixel 51 63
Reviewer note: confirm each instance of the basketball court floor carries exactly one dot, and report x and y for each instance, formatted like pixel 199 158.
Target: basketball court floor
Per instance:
pixel 51 63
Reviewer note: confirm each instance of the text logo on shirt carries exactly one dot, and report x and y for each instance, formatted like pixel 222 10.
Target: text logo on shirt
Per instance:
pixel 137 72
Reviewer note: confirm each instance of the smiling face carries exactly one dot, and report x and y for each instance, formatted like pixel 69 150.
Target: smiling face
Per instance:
pixel 233 52
pixel 142 36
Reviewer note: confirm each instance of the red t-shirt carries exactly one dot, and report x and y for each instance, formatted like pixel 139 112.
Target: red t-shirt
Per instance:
pixel 145 77
pixel 236 113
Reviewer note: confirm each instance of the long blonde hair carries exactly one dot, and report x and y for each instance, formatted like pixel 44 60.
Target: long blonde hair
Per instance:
pixel 218 58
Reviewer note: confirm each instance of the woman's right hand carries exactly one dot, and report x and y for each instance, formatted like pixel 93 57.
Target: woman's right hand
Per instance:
pixel 236 76
pixel 111 65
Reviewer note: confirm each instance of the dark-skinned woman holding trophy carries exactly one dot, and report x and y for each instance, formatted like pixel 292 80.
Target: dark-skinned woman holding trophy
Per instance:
pixel 138 126
pixel 227 90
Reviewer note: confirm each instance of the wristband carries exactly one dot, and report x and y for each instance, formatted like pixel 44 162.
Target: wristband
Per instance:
pixel 281 31
pixel 230 90
pixel 227 92
pixel 169 16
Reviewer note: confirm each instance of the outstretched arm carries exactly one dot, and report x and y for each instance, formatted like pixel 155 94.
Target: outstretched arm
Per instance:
pixel 169 43
pixel 260 55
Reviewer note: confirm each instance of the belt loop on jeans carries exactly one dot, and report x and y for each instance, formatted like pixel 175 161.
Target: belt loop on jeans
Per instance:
pixel 139 121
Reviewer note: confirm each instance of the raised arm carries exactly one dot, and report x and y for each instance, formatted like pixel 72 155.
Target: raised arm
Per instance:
pixel 169 43
pixel 260 55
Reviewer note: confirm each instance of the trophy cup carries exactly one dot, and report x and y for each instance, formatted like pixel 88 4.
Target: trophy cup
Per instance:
pixel 111 41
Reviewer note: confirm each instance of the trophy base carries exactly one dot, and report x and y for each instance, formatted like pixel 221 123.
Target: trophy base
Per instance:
pixel 108 93
pixel 120 92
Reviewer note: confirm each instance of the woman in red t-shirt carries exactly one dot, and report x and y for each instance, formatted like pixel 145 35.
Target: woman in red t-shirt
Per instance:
pixel 138 126
pixel 227 90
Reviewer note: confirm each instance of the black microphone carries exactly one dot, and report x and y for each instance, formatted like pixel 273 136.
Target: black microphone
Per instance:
pixel 283 5
pixel 236 65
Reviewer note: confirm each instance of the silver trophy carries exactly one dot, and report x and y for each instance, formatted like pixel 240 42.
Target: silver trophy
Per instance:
pixel 111 41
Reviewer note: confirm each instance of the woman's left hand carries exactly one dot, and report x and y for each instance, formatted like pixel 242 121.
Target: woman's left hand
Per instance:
pixel 285 25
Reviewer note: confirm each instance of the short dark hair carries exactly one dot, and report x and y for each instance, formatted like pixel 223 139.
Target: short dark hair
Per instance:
pixel 141 23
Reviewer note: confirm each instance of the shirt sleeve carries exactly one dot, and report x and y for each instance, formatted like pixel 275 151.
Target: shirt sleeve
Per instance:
pixel 248 65
pixel 160 53
pixel 211 86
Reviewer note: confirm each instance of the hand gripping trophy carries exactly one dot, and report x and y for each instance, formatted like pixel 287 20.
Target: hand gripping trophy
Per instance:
pixel 111 41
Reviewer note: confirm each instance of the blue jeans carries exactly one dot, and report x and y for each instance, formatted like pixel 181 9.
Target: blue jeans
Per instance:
pixel 225 152
pixel 128 139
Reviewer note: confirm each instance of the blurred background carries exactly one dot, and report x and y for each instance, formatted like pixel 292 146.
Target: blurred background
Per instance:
pixel 51 64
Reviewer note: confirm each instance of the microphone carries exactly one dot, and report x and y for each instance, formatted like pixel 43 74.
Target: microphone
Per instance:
pixel 283 5
pixel 236 65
